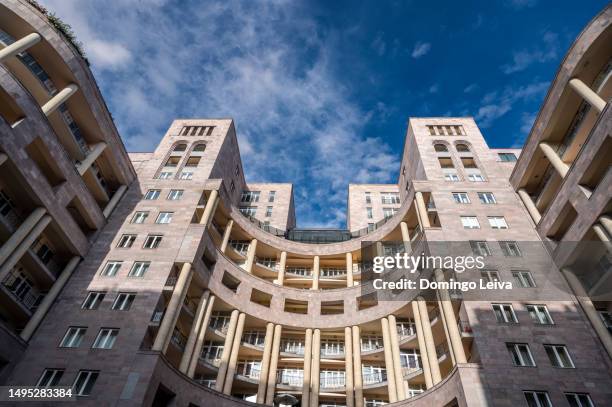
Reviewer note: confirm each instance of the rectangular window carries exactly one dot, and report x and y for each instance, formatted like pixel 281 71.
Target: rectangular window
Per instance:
pixel 446 162
pixel 186 175
pixel 139 268
pixel 248 210
pixel 192 162
pixel 152 194
pixel 579 400
pixel 50 377
pixel 172 162
pixel 123 301
pixel 507 157
pixel 480 248
pixel 268 211
pixel 389 212
pixel 152 242
pixel 504 313
pixel 521 355
pixel 475 177
pixel 470 222
pixel 140 217
pixel 111 268
pixel 271 196
pixel 539 314
pixel 389 198
pixel 369 213
pixel 559 356
pixel 175 194
pixel 451 177
pixel 487 198
pixel 490 276
pixel 250 196
pixel 93 300
pixel 73 337
pixel 84 382
pixel 510 248
pixel 106 338
pixel 537 399
pixel 126 241
pixel 164 217
pixel 165 175
pixel 523 279
pixel 497 222
pixel 461 197
pixel 368 198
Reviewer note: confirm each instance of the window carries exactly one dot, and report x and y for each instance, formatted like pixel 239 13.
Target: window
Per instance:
pixel 490 276
pixel 84 382
pixel 93 300
pixel 6 205
pixel 470 222
pixel 487 198
pixel 250 196
pixel 559 356
pixel 446 163
pixel 197 130
pixel 200 148
pixel 497 222
pixel 475 177
pixel 480 248
pixel 172 162
pixel 521 355
pixel 111 268
pixel 268 211
pixel 73 337
pixel 504 313
pixel 440 148
pixel 248 210
pixel 537 399
pixel 106 338
pixel 180 147
pixel 50 377
pixel 126 241
pixel 369 213
pixel 507 157
pixel 192 162
pixel 152 242
pixel 152 194
pixel 468 162
pixel 123 301
pixel 164 217
pixel 186 175
pixel 140 217
pixel 139 268
pixel 510 248
pixel 462 148
pixel 368 198
pixel 452 177
pixel 446 130
pixel 165 175
pixel 389 212
pixel 579 400
pixel 461 197
pixel 389 198
pixel 523 279
pixel 271 196
pixel 539 314
pixel 175 194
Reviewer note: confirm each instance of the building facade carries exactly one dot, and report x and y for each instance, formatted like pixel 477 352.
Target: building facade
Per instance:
pixel 159 278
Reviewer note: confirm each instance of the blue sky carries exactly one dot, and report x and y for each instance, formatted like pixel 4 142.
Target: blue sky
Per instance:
pixel 321 91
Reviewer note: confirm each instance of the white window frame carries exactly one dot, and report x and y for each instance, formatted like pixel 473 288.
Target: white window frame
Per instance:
pixel 487 198
pixel 111 268
pixel 88 377
pixel 268 211
pixel 126 241
pixel 186 175
pixel 248 211
pixel 95 298
pixel 556 360
pixel 139 268
pixel 451 177
pixel 461 198
pixel 504 313
pixel 490 275
pixel 152 194
pixel 536 397
pixel 539 314
pixel 175 194
pixel 470 222
pixel 577 401
pixel 164 218
pixel 510 248
pixel 152 241
pixel 123 301
pixel 475 177
pixel 55 375
pixel 140 217
pixel 369 213
pixel 106 338
pixel 517 351
pixel 73 337
pixel 480 248
pixel 497 222
pixel 523 276
pixel 165 175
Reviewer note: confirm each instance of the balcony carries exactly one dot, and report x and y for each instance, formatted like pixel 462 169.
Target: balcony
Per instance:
pixel 293 377
pixel 327 380
pixel 255 338
pixel 465 329
pixel 332 349
pixel 157 317
pixel 178 339
pixel 292 346
pixel 210 383
pixel 374 377
pixel 10 217
pixel 21 289
pixel 210 357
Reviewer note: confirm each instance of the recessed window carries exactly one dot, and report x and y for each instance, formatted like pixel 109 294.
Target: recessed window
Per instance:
pixel 268 211
pixel 507 157
pixel 504 313
pixel 475 177
pixel 126 241
pixel 192 162
pixel 123 301
pixel 461 197
pixel 93 300
pixel 369 213
pixel 152 194
pixel 468 162
pixel 480 248
pixel 152 242
pixel 164 217
pixel 539 314
pixel 490 276
pixel 510 248
pixel 165 175
pixel 139 268
pixel 199 148
pixel 73 337
pixel 140 217
pixel 186 175
pixel 84 382
pixel 537 399
pixel 172 162
pixel 175 194
pixel 470 222
pixel 50 377
pixel 250 196
pixel 440 148
pixel 180 147
pixel 462 148
pixel 389 212
pixel 521 355
pixel 248 211
pixel 106 338
pixel 451 177
pixel 111 268
pixel 271 196
pixel 497 222
pixel 389 198
pixel 559 356
pixel 523 279
pixel 446 163
pixel 296 306
pixel 368 198
pixel 487 198
pixel 579 400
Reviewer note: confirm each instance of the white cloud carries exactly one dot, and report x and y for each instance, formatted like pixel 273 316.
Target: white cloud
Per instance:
pixel 420 49
pixel 522 59
pixel 470 88
pixel 434 88
pixel 495 104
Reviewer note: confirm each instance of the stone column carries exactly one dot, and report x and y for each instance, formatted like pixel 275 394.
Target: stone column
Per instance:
pixel 314 371
pixel 226 235
pixel 349 269
pixel 451 321
pixel 422 348
pixel 231 366
pixel 22 231
pixel 429 342
pixel 173 309
pixel 588 94
pixel 397 364
pixel 530 205
pixel 251 256
pixel 357 368
pixel 200 341
pixel 59 98
pixel 589 309
pixel 406 237
pixel 110 206
pixel 348 362
pixel 227 350
pixel 273 364
pixel 48 299
pixel 556 161
pixel 602 235
pixel 265 364
pixel 211 202
pixel 3 158
pixel 281 268
pixel 391 383
pixel 193 334
pixel 95 152
pixel 19 46
pixel 606 222
pixel 23 247
pixel 445 326
pixel 307 366
pixel 422 209
pixel 315 273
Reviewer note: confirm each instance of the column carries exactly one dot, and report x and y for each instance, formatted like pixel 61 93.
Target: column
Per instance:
pixel 391 383
pixel 531 208
pixel 445 326
pixel 357 369
pixel 95 152
pixel 281 268
pixel 588 94
pixel 265 364
pixel 48 300
pixel 231 366
pixel 227 350
pixel 19 46
pixel 193 334
pixel 200 341
pixel 349 269
pixel 273 364
pixel 307 365
pixel 422 348
pixel 110 206
pixel 251 256
pixel 208 209
pixel 589 309
pixel 556 161
pixel 602 235
pixel 22 231
pixel 606 222
pixel 348 362
pixel 451 321
pixel 59 98
pixel 173 309
pixel 315 273
pixel 23 247
pixel 397 364
pixel 422 209
pixel 430 345
pixel 226 235
pixel 3 158
pixel 406 237
pixel 314 370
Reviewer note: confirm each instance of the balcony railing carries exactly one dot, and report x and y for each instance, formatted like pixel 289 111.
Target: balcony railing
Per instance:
pixel 256 338
pixel 406 329
pixel 157 317
pixel 289 346
pixel 210 358
pixel 210 383
pixel 171 280
pixel 178 339
pixel 374 378
pixel 21 291
pixel 290 378
pixel 336 350
pixel 441 350
pixel 327 382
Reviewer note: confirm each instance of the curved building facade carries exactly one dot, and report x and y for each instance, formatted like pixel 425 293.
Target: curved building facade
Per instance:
pixel 180 283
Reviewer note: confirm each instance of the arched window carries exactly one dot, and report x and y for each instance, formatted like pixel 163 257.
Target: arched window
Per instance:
pixel 199 147
pixel 440 148
pixel 462 148
pixel 180 147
